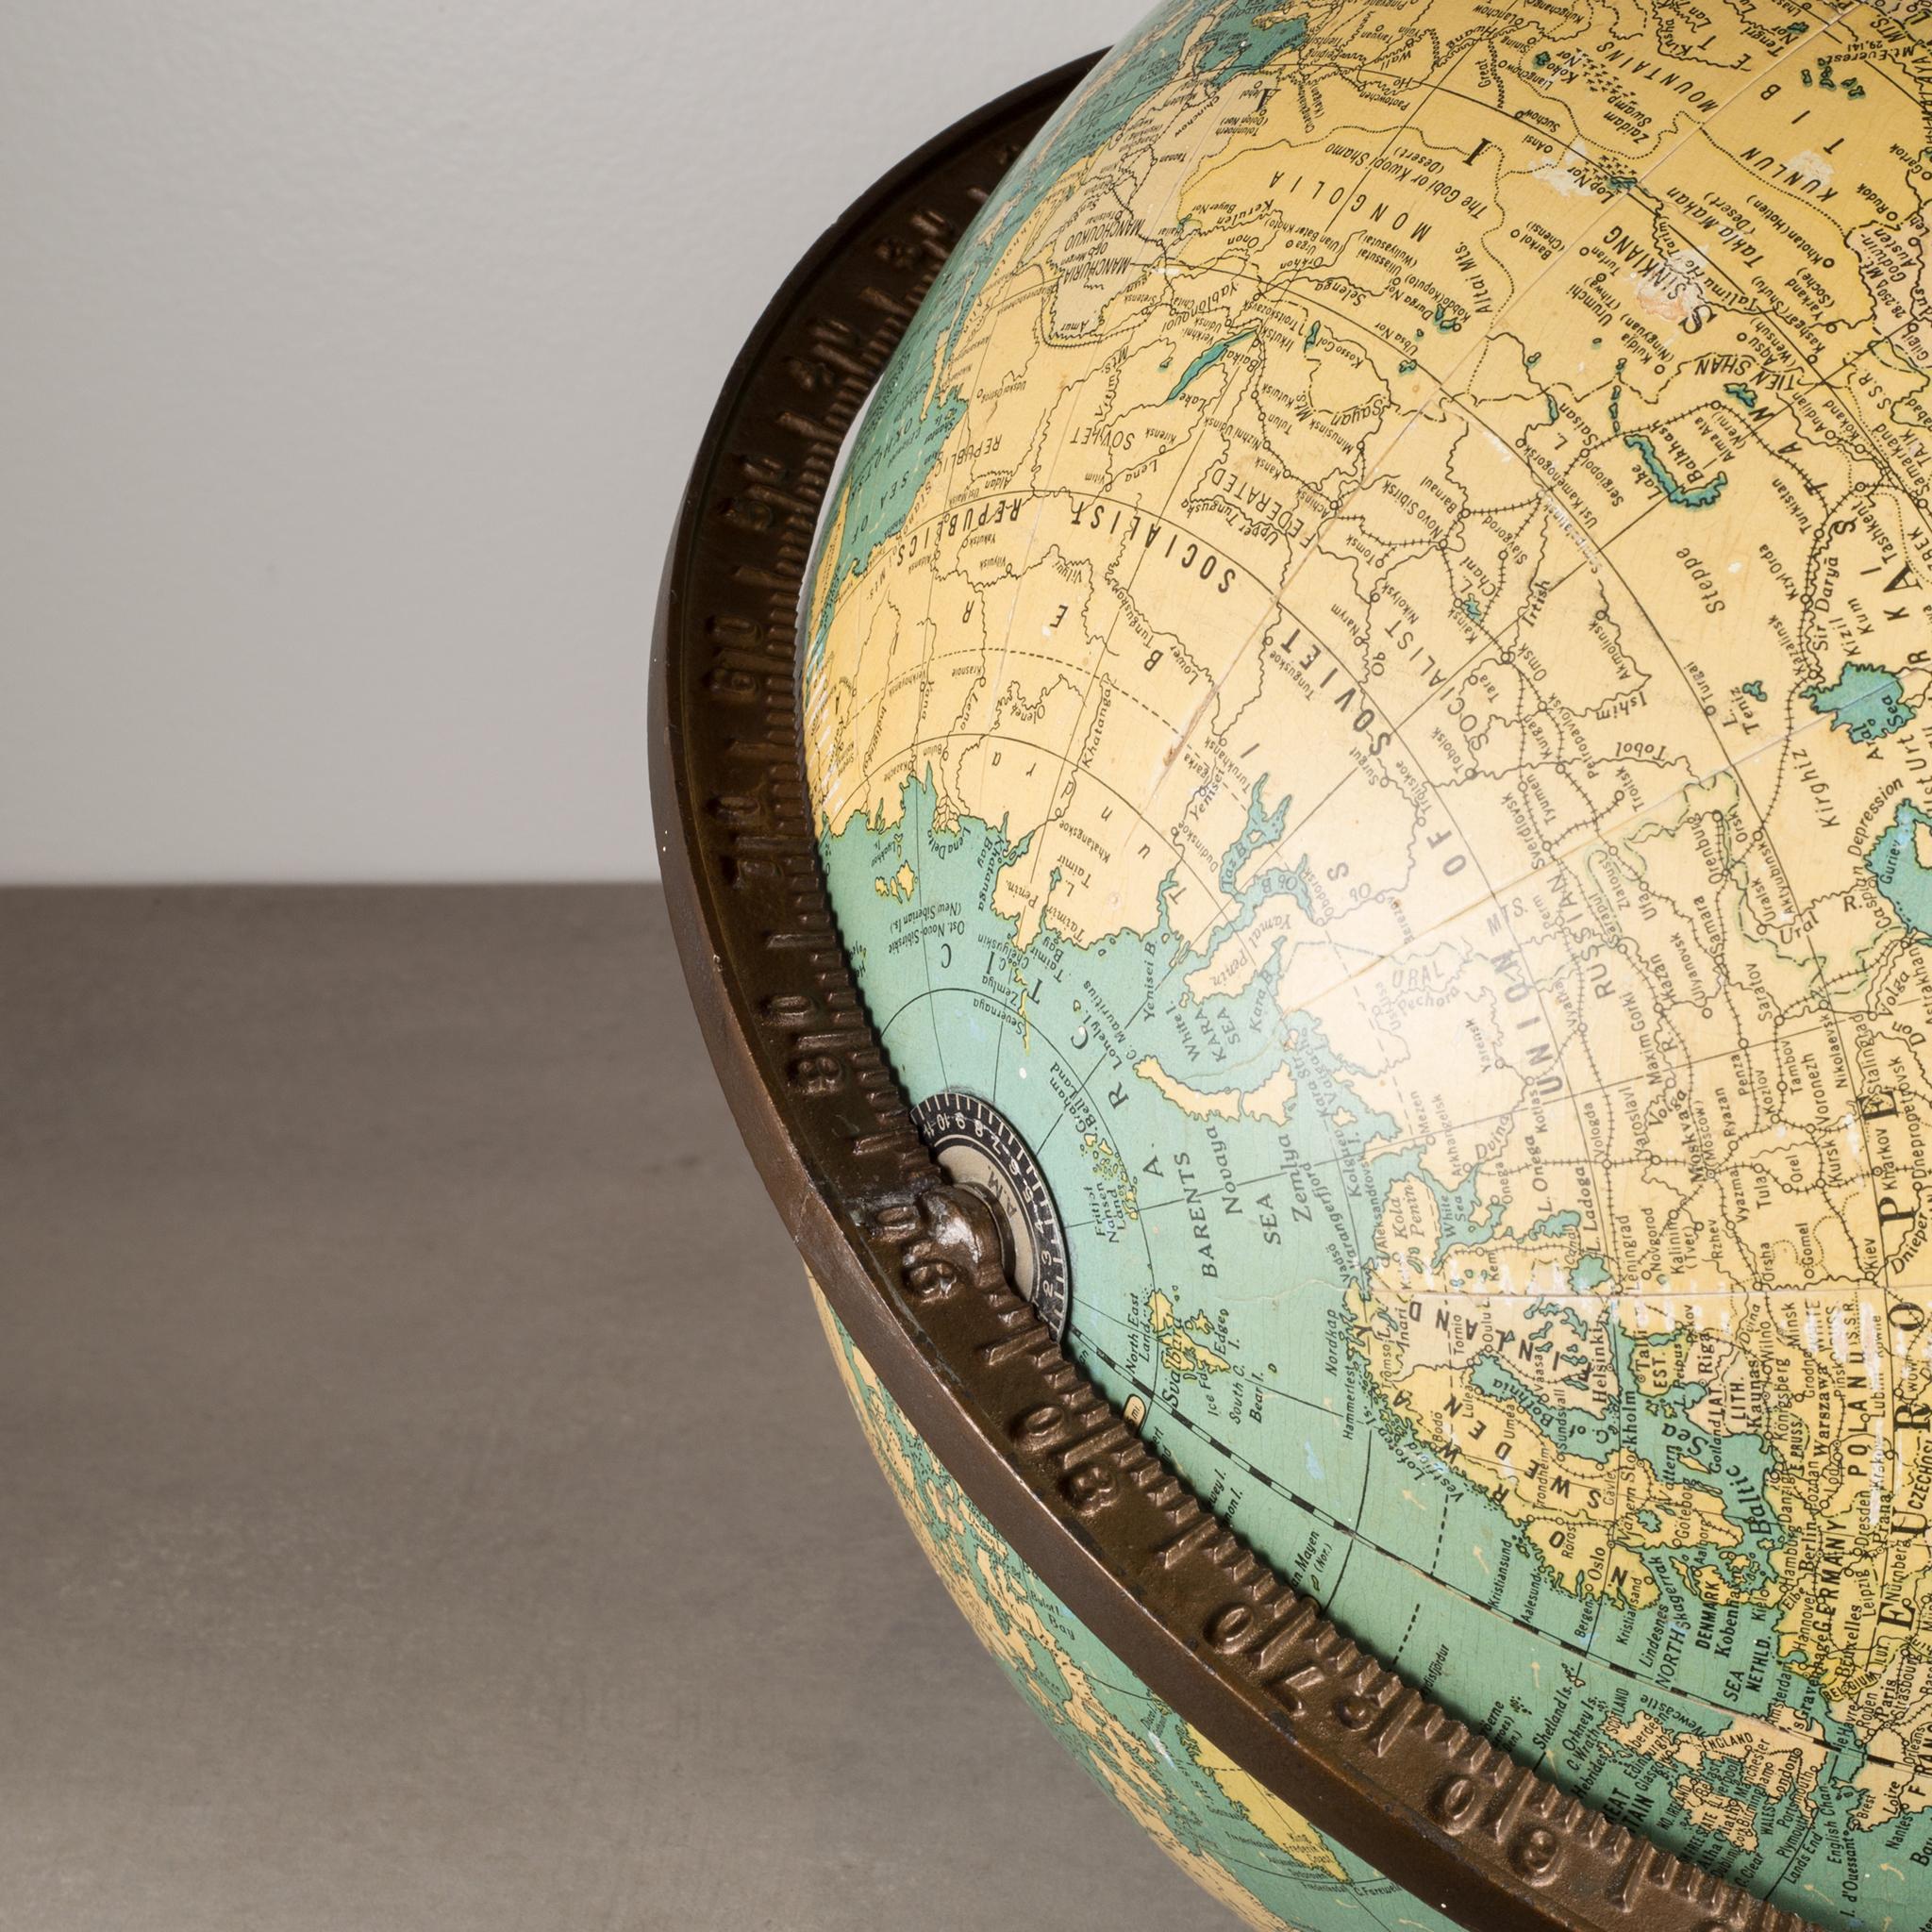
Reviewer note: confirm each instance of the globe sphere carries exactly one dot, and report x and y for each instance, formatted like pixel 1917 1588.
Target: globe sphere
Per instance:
pixel 1364 682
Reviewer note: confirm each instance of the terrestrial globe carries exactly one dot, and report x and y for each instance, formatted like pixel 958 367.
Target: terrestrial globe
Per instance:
pixel 1363 686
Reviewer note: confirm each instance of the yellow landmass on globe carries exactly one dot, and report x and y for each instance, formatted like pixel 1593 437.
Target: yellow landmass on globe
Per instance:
pixel 1784 1756
pixel 1436 534
pixel 1181 1347
pixel 1268 1101
pixel 1269 1814
pixel 1711 1810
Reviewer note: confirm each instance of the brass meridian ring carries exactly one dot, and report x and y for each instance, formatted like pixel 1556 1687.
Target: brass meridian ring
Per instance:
pixel 913 1265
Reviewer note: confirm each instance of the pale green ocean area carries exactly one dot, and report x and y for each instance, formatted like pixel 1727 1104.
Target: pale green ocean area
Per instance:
pixel 1867 701
pixel 1290 1443
pixel 1895 868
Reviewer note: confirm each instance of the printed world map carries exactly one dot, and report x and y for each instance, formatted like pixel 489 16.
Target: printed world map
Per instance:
pixel 1367 682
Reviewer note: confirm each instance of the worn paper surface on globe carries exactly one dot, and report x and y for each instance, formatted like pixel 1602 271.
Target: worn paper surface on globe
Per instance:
pixel 1366 685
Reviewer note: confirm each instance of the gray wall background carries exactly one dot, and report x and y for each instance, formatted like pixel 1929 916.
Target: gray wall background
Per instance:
pixel 351 360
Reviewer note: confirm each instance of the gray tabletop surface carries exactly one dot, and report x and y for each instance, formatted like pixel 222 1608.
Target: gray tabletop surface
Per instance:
pixel 426 1497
